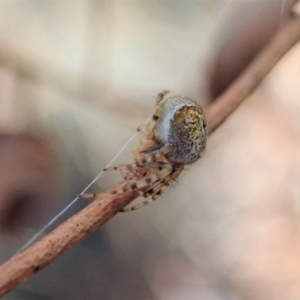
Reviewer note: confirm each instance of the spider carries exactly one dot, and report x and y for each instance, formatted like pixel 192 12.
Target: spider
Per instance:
pixel 174 137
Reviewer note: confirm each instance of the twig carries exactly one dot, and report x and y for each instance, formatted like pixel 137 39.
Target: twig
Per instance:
pixel 43 252
pixel 247 82
pixel 68 234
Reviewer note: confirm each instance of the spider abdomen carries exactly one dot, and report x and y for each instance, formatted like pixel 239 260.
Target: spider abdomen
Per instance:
pixel 182 124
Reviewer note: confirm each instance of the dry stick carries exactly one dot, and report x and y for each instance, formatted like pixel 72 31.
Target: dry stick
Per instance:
pixel 246 83
pixel 43 252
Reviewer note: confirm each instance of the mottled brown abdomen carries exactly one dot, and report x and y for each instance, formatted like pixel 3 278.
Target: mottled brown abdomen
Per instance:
pixel 182 124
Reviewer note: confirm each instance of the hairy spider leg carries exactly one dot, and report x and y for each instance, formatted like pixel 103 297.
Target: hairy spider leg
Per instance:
pixel 151 157
pixel 164 171
pixel 147 149
pixel 129 171
pixel 156 190
pixel 144 161
pixel 148 161
pixel 168 181
pixel 161 96
pixel 148 129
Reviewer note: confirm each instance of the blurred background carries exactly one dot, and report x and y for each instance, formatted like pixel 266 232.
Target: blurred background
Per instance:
pixel 77 77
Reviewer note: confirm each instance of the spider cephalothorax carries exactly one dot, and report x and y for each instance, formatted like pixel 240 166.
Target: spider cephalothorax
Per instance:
pixel 175 136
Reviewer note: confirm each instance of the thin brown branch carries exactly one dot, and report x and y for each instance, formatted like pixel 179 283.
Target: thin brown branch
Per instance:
pixel 68 234
pixel 43 252
pixel 248 81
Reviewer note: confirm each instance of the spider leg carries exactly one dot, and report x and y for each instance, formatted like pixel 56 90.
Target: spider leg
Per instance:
pixel 167 182
pixel 147 162
pixel 148 149
pixel 128 171
pixel 165 149
pixel 144 161
pixel 148 129
pixel 156 193
pixel 156 190
pixel 161 96
pixel 164 171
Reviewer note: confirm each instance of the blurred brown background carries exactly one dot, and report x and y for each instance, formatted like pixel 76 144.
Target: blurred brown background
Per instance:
pixel 76 79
